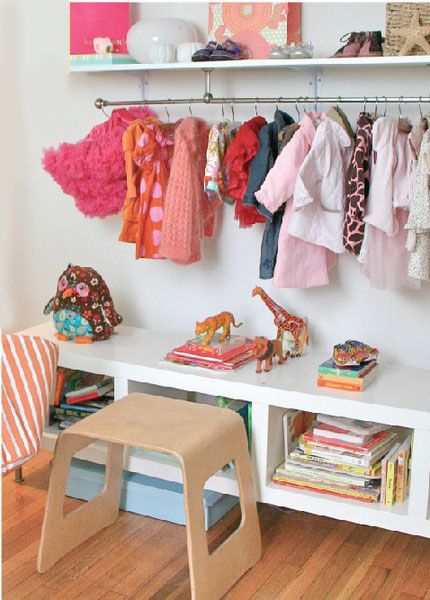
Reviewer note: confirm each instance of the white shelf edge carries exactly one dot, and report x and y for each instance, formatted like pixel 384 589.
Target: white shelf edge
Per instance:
pixel 395 518
pixel 309 63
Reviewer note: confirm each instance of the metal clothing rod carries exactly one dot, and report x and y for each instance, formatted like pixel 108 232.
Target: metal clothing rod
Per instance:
pixel 209 99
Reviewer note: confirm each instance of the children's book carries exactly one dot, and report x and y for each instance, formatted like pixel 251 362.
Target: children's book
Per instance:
pixel 390 485
pixel 336 433
pixel 299 457
pixel 348 384
pixel 402 470
pixel 353 425
pixel 380 438
pixel 216 350
pixel 331 368
pixel 295 422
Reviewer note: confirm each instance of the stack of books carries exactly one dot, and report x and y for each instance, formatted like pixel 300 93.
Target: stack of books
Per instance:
pixel 336 456
pixel 109 58
pixel 218 355
pixel 348 378
pixel 77 395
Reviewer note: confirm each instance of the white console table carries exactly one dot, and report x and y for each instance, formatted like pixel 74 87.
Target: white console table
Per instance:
pixel 399 396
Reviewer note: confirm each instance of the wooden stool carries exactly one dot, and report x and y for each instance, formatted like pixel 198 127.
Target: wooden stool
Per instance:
pixel 203 438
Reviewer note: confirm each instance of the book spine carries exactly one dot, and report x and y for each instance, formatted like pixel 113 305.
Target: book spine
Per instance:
pixel 345 373
pixel 86 409
pixel 346 387
pixel 346 380
pixel 343 437
pixel 377 451
pixel 62 413
pixel 83 398
pixel 382 497
pixel 59 385
pixel 327 441
pixel 327 454
pixel 350 493
pixel 82 391
pixel 338 494
pixel 390 486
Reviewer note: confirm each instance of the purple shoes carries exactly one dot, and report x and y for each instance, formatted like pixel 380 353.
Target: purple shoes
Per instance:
pixel 229 50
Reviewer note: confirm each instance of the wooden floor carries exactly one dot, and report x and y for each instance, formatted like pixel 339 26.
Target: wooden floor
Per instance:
pixel 304 556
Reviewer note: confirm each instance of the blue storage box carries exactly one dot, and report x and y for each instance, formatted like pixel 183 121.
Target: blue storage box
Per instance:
pixel 145 495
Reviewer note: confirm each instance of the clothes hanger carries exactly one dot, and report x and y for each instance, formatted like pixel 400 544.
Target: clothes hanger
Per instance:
pixel 297 111
pixel 424 120
pixel 256 107
pixel 189 108
pixel 167 113
pixel 402 126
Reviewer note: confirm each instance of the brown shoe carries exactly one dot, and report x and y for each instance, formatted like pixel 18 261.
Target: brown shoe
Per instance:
pixel 352 46
pixel 372 44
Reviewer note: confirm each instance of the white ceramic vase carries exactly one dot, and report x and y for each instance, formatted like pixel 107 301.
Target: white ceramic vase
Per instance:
pixel 144 35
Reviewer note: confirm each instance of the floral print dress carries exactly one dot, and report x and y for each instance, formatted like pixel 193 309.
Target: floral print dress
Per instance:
pixel 152 155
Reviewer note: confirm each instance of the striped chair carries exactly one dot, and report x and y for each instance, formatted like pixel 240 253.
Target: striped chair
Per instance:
pixel 28 371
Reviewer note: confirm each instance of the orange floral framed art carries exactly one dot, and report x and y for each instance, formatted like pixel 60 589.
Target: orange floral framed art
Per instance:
pixel 257 26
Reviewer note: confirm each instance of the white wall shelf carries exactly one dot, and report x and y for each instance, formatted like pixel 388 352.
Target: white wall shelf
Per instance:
pixel 398 397
pixel 310 63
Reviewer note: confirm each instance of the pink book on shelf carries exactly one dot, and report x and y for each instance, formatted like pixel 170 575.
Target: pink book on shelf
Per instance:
pixel 98 19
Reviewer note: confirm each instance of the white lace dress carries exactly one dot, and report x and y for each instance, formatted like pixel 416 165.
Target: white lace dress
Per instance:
pixel 418 222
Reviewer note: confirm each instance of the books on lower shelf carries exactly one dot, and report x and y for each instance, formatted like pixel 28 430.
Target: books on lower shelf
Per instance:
pixel 349 379
pixel 79 394
pixel 344 457
pixel 218 355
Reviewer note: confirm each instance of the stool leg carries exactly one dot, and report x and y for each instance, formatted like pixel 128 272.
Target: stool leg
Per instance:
pixel 212 575
pixel 60 533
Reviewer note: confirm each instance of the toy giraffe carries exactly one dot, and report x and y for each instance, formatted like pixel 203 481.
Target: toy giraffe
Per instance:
pixel 284 321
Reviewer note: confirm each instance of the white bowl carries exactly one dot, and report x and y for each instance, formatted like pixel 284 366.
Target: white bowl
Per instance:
pixel 146 33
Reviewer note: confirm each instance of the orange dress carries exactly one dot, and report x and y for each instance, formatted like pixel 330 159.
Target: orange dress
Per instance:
pixel 148 148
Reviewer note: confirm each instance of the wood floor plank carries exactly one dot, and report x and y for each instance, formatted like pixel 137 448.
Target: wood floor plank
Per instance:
pixel 284 574
pixel 358 566
pixel 337 565
pixel 317 562
pixel 419 580
pixel 284 536
pixel 405 566
pixel 371 583
pixel 393 550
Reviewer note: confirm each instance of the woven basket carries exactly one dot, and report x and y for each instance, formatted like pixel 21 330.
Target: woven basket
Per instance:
pixel 399 14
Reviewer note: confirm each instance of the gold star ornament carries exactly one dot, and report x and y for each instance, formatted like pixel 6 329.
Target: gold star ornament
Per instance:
pixel 415 35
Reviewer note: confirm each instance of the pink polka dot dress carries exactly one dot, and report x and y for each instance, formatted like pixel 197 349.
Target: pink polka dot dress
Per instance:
pixel 152 155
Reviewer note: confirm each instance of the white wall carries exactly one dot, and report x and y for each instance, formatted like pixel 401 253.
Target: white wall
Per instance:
pixel 42 231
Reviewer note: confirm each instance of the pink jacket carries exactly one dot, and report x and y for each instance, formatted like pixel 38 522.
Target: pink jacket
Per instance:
pixel 320 192
pixel 299 264
pixel 390 177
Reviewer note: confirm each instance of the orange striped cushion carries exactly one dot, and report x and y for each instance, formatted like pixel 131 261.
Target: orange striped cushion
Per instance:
pixel 28 370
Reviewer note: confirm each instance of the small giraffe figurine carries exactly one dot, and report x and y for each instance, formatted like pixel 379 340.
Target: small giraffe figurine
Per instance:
pixel 284 321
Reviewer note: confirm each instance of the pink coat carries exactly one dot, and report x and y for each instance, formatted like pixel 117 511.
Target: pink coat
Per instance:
pixel 299 264
pixel 320 192
pixel 390 177
pixel 189 215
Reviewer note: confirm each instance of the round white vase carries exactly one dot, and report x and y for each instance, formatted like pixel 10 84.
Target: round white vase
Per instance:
pixel 144 35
